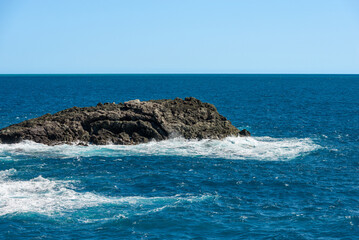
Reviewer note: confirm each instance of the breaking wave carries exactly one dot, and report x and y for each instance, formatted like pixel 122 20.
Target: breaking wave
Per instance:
pixel 257 148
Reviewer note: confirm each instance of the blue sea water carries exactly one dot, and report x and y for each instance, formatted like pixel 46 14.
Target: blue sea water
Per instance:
pixel 296 178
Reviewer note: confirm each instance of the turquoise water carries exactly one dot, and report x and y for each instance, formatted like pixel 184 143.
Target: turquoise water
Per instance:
pixel 296 178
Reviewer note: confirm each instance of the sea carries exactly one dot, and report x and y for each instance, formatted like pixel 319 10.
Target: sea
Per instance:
pixel 296 177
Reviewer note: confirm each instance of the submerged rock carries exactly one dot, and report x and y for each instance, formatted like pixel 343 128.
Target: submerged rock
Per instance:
pixel 132 122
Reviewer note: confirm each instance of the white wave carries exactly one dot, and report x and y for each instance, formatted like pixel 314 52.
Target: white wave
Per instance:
pixel 6 173
pixel 48 197
pixel 259 148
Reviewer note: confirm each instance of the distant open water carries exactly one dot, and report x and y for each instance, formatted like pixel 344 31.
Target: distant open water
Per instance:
pixel 296 178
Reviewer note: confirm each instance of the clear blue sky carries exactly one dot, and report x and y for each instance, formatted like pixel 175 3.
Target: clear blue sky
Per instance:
pixel 179 36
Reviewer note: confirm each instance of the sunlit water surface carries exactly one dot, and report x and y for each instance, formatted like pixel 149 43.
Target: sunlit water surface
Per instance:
pixel 295 178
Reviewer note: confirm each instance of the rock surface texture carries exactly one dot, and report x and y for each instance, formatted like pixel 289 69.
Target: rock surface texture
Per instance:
pixel 132 122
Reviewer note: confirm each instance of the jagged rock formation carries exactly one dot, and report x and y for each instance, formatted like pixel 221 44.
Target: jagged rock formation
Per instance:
pixel 132 122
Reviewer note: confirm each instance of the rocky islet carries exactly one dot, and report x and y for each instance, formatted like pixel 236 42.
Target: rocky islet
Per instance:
pixel 128 123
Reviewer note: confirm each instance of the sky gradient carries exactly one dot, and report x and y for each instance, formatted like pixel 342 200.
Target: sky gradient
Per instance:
pixel 179 36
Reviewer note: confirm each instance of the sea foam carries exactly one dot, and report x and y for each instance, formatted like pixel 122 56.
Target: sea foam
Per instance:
pixel 251 148
pixel 49 197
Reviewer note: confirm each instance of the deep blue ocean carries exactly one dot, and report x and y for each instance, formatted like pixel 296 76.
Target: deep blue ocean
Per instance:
pixel 297 177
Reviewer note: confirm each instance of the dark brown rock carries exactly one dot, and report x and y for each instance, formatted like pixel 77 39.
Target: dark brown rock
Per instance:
pixel 132 122
pixel 245 133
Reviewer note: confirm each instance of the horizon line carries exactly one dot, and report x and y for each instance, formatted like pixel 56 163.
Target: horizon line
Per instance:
pixel 1 74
